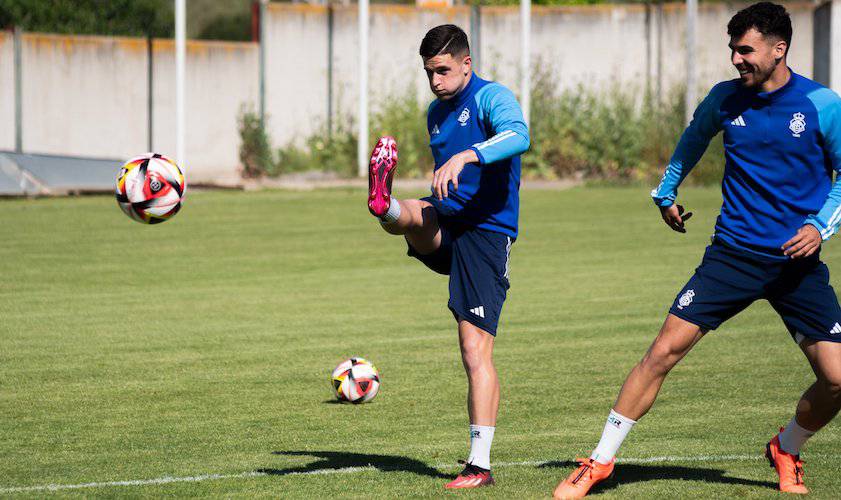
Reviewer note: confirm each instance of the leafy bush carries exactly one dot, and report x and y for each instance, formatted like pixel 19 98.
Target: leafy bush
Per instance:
pixel 329 151
pixel 404 118
pixel 401 116
pixel 255 153
pixel 618 134
pixel 612 134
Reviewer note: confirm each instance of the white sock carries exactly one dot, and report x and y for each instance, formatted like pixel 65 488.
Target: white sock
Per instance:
pixel 393 212
pixel 793 437
pixel 615 430
pixel 481 437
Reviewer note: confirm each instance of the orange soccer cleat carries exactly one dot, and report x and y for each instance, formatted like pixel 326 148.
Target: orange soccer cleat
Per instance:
pixel 582 479
pixel 789 467
pixel 471 477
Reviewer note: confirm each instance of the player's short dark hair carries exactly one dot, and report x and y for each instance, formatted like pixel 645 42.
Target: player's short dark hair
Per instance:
pixel 767 18
pixel 445 39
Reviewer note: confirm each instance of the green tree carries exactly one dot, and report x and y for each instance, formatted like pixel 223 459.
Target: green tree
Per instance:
pixel 103 17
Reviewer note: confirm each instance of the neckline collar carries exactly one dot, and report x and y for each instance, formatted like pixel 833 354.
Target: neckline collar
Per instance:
pixel 775 94
pixel 466 92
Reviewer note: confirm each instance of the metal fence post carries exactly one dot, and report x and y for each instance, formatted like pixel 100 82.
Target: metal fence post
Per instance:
pixel 150 90
pixel 18 91
pixel 330 27
pixel 180 62
pixel 835 45
pixel 691 67
pixel 262 61
pixel 362 139
pixel 525 58
pixel 659 45
pixel 475 34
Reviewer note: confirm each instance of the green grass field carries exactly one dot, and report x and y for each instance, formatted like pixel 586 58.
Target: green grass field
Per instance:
pixel 201 348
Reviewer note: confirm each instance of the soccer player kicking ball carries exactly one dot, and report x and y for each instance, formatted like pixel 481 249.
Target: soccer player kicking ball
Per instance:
pixel 466 229
pixel 782 141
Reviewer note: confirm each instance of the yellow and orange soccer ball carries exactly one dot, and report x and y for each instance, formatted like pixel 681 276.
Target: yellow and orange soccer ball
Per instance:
pixel 150 188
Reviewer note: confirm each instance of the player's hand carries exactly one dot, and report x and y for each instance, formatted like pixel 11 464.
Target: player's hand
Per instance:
pixel 448 172
pixel 674 217
pixel 806 242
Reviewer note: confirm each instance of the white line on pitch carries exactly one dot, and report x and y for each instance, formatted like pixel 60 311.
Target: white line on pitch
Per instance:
pixel 351 470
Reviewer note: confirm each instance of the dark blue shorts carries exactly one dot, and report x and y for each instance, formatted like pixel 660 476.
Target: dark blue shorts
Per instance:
pixel 730 279
pixel 477 262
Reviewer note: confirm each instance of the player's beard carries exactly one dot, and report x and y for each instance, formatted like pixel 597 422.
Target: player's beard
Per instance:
pixel 757 75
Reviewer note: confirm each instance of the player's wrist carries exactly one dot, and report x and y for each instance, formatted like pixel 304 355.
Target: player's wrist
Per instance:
pixel 469 156
pixel 662 201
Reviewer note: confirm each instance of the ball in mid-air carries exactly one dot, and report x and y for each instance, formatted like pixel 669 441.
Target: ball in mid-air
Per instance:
pixel 356 380
pixel 150 188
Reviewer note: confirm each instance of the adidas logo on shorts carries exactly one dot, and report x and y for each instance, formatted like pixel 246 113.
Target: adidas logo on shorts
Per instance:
pixel 480 311
pixel 835 329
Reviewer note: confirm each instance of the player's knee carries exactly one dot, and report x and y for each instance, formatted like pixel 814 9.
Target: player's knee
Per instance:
pixel 832 387
pixel 474 354
pixel 660 359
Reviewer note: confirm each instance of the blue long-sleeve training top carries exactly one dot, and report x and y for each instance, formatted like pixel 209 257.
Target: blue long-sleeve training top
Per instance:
pixel 486 118
pixel 780 148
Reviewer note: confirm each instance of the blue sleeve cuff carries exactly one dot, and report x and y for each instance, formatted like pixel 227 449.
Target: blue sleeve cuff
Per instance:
pixel 478 155
pixel 663 201
pixel 825 233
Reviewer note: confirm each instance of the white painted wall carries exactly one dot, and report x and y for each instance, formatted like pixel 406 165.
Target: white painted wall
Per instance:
pixel 84 96
pixel 296 70
pixel 603 44
pixel 87 96
pixel 7 91
pixel 220 78
pixel 396 34
pixel 296 60
pixel 595 45
pixel 835 47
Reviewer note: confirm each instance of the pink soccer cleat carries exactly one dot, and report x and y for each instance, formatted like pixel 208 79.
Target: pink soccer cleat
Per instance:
pixel 381 171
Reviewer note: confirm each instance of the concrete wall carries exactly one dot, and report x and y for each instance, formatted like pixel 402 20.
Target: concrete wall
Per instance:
pixel 7 91
pixel 618 43
pixel 84 96
pixel 220 78
pixel 87 96
pixel 597 45
pixel 835 46
pixel 296 70
pixel 297 40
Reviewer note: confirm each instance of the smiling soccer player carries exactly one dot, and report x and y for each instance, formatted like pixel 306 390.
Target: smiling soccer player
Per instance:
pixel 466 229
pixel 782 142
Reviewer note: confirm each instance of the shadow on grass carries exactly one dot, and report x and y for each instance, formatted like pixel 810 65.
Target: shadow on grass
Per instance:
pixel 333 460
pixel 635 473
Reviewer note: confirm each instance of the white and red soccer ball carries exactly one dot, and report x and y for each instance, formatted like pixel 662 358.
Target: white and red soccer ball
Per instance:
pixel 150 188
pixel 356 380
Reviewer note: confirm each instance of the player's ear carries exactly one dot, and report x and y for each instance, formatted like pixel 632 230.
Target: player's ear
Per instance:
pixel 780 50
pixel 467 64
